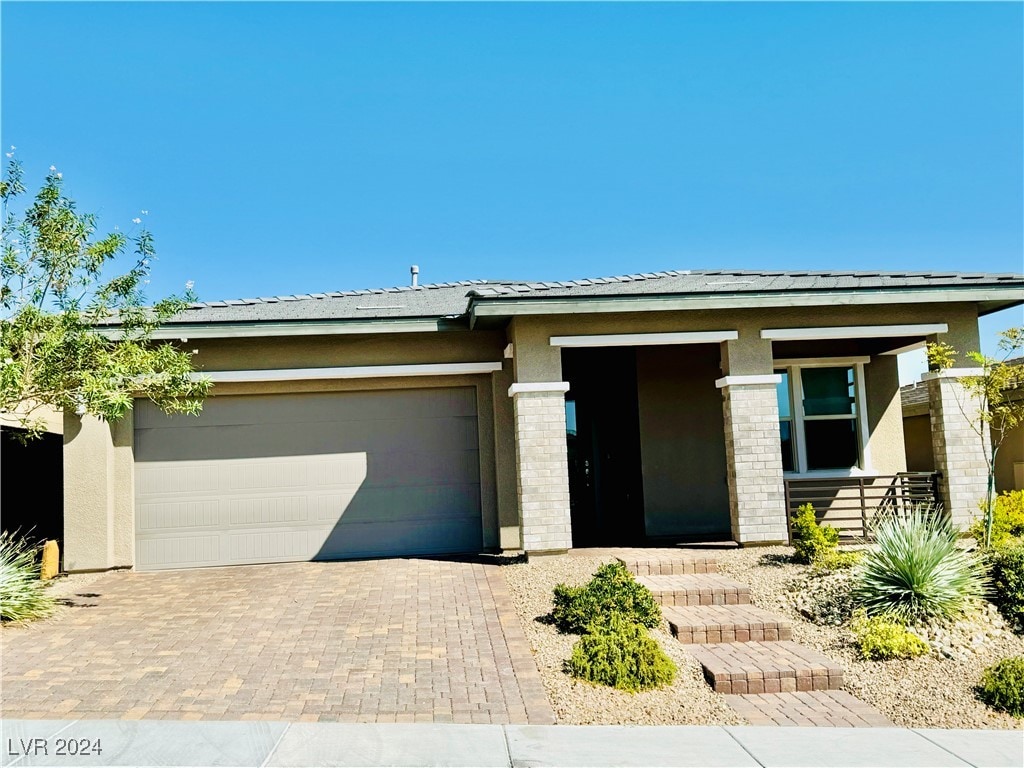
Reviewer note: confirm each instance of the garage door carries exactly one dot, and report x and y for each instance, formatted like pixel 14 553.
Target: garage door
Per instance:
pixel 272 478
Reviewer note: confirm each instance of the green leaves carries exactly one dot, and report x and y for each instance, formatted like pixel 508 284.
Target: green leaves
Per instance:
pixel 73 337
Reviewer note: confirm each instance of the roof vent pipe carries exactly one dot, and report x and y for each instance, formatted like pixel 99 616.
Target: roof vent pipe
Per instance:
pixel 415 272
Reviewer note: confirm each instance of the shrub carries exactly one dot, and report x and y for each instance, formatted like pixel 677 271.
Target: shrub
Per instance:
pixel 1007 519
pixel 1007 569
pixel 23 596
pixel 881 638
pixel 619 653
pixel 810 540
pixel 838 560
pixel 1002 686
pixel 915 570
pixel 612 590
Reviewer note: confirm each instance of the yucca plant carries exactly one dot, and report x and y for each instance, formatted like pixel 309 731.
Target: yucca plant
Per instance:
pixel 915 571
pixel 23 596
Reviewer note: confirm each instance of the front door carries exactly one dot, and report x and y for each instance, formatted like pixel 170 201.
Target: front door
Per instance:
pixel 602 422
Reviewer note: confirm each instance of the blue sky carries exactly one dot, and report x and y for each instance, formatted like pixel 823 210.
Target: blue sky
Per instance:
pixel 286 148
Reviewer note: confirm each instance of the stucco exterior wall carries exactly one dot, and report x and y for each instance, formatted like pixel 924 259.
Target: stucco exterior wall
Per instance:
pixel 99 515
pixel 885 416
pixel 917 430
pixel 1010 462
pixel 682 440
pixel 745 359
pixel 50 420
pixel 917 439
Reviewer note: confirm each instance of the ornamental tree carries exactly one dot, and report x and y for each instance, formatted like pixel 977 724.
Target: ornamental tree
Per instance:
pixel 997 394
pixel 76 330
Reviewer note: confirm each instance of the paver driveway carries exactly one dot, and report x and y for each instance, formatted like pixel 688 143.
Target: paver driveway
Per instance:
pixel 385 641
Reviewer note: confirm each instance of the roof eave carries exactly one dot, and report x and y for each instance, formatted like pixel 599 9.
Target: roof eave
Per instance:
pixel 989 299
pixel 263 328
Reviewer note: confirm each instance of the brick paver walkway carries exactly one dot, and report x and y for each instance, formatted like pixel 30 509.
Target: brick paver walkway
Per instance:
pixel 384 641
pixel 837 709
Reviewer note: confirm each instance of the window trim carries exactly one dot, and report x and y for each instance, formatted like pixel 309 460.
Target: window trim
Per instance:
pixel 792 367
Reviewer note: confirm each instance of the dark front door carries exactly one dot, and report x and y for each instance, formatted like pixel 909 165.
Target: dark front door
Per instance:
pixel 605 481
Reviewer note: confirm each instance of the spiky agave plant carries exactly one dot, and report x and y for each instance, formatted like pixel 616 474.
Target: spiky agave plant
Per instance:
pixel 915 571
pixel 23 596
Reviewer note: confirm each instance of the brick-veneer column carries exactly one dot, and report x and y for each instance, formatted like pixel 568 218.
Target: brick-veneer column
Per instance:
pixel 542 467
pixel 958 448
pixel 757 499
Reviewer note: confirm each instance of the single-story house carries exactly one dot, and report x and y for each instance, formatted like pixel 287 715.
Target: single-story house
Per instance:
pixel 504 415
pixel 917 437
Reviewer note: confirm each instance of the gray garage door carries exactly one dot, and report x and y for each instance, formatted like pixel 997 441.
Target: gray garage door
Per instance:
pixel 272 478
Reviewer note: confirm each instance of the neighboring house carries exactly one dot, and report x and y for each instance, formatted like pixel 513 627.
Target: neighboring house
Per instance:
pixel 502 415
pixel 918 438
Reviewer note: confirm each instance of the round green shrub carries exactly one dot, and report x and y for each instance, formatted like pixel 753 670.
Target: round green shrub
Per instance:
pixel 810 540
pixel 1006 565
pixel 1002 686
pixel 837 560
pixel 612 590
pixel 881 638
pixel 916 571
pixel 619 653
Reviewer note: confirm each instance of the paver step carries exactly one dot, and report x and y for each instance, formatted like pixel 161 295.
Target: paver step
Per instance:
pixel 661 563
pixel 824 708
pixel 726 624
pixel 769 667
pixel 696 589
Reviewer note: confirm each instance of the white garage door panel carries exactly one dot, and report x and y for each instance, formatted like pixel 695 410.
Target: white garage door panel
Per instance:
pixel 345 475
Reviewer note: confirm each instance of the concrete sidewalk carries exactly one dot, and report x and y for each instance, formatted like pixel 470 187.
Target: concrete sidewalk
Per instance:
pixel 176 743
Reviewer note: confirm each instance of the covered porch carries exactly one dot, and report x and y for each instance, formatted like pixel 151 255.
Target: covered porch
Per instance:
pixel 717 435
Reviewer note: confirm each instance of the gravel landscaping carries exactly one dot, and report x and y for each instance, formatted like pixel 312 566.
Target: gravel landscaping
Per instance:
pixel 928 692
pixel 934 691
pixel 688 701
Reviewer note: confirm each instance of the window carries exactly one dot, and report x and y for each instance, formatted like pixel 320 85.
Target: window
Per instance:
pixel 819 417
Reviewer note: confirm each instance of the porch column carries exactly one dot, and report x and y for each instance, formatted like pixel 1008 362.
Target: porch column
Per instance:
pixel 542 467
pixel 757 499
pixel 958 448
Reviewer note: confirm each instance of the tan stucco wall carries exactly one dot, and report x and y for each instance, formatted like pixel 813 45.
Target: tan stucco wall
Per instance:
pixel 99 516
pixel 885 417
pixel 327 351
pixel 1009 473
pixel 917 437
pixel 682 440
pixel 534 330
pixel 50 420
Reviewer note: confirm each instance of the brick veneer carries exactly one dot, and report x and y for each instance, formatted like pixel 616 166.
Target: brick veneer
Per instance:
pixel 542 472
pixel 957 447
pixel 757 500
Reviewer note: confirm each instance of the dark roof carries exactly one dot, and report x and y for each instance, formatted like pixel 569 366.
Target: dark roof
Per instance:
pixel 453 299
